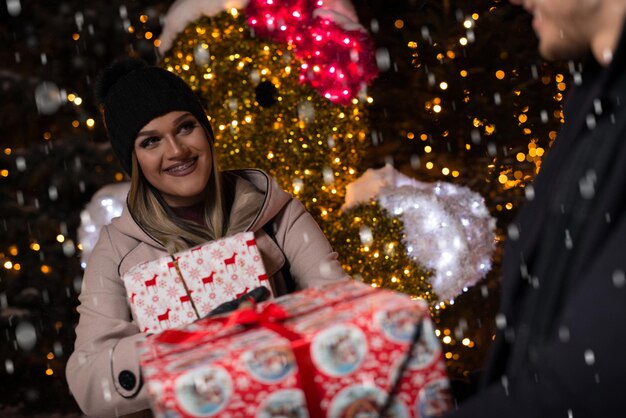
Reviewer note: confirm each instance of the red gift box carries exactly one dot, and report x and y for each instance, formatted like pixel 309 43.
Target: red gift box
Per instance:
pixel 333 352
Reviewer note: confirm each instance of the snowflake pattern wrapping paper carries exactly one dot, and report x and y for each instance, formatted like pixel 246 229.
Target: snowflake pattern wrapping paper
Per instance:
pixel 350 340
pixel 213 273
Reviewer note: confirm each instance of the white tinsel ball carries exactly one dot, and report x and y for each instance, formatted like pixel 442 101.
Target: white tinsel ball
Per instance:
pixel 447 227
pixel 106 204
pixel 448 230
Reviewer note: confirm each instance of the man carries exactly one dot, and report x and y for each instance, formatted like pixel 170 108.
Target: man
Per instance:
pixel 561 343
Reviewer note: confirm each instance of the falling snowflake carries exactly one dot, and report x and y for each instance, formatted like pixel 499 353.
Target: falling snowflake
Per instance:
pixel 205 307
pixel 212 295
pixel 217 253
pixel 139 303
pixel 241 262
pixel 175 318
pixel 189 314
pixel 137 276
pixel 251 270
pixel 256 258
pixel 155 298
pixel 200 261
pixel 234 277
pixel 184 265
pixel 171 292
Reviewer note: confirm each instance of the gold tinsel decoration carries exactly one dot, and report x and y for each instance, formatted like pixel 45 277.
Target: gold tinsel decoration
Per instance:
pixel 264 117
pixel 372 251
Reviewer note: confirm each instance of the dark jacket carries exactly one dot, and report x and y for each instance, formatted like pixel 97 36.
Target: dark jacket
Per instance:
pixel 559 349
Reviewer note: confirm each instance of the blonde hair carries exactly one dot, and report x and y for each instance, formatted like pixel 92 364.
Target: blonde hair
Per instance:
pixel 151 212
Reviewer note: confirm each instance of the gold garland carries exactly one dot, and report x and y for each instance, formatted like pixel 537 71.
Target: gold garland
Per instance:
pixel 264 117
pixel 311 146
pixel 372 251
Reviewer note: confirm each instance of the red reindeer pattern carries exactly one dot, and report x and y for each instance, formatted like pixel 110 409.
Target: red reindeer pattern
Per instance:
pixel 250 243
pixel 151 283
pixel 230 261
pixel 186 298
pixel 172 264
pixel 197 250
pixel 208 279
pixel 263 277
pixel 246 290
pixel 132 298
pixel 165 317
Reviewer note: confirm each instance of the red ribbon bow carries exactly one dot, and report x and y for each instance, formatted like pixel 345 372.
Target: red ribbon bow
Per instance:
pixel 271 313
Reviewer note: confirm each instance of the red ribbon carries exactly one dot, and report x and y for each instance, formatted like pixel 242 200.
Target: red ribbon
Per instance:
pixel 269 317
pixel 251 316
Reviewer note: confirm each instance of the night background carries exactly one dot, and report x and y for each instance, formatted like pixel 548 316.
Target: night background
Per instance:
pixel 461 97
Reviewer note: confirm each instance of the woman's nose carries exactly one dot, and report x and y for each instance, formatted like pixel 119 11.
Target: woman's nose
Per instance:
pixel 175 146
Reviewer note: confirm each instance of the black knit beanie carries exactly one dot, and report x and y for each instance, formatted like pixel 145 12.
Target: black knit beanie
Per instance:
pixel 131 93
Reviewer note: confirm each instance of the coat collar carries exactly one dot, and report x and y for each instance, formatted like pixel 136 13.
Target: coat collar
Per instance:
pixel 249 185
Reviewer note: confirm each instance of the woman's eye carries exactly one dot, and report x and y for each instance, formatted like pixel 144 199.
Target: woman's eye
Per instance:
pixel 187 127
pixel 148 142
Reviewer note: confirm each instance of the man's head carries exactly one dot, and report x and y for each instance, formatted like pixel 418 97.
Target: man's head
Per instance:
pixel 568 29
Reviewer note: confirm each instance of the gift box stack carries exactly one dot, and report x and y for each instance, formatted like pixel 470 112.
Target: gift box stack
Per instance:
pixel 174 291
pixel 343 350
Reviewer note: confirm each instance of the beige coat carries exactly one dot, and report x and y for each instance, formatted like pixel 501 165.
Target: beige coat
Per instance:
pixel 103 371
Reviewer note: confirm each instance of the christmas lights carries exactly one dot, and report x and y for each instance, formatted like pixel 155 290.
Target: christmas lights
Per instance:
pixel 338 63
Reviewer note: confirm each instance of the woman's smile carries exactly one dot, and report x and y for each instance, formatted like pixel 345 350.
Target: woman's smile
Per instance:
pixel 183 168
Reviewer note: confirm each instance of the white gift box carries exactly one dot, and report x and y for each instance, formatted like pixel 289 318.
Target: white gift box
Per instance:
pixel 176 290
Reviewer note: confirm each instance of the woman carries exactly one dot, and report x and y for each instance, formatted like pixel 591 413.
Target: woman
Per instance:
pixel 178 199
